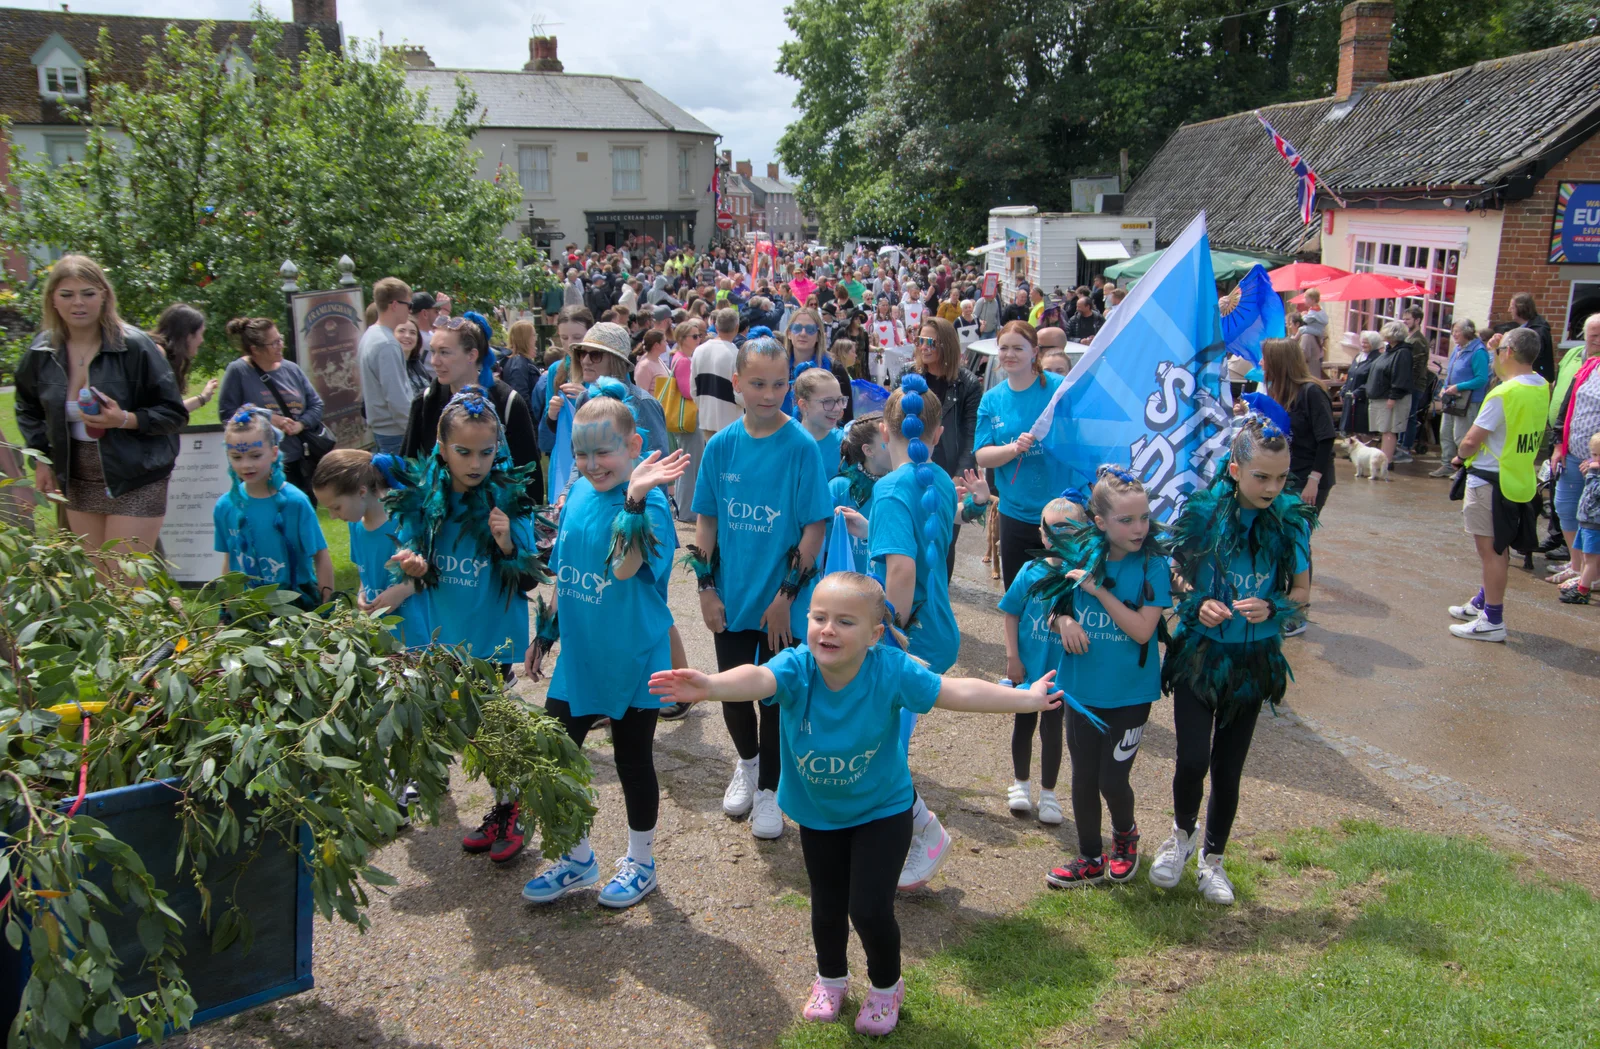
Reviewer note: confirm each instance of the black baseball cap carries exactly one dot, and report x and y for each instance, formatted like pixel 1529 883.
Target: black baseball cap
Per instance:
pixel 421 300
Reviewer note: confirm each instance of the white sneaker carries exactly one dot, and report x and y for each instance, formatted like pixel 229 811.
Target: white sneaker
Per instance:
pixel 1049 808
pixel 927 854
pixel 1171 858
pixel 1214 883
pixel 766 820
pixel 1480 629
pixel 1466 610
pixel 1017 800
pixel 741 791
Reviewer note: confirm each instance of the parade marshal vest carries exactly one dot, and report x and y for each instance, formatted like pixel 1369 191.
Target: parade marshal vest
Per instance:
pixel 1525 407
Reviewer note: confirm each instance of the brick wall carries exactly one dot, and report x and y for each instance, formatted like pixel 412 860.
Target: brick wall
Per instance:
pixel 1365 28
pixel 1525 242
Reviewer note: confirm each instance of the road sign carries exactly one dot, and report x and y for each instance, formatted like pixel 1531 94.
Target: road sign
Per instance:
pixel 724 220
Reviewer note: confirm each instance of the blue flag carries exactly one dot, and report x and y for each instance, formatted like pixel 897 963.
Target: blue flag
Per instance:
pixel 561 455
pixel 837 556
pixel 867 397
pixel 1259 315
pixel 1147 393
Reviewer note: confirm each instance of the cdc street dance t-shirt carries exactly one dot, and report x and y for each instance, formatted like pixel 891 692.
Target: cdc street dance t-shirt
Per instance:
pixel 614 632
pixel 1247 577
pixel 268 560
pixel 468 607
pixel 842 760
pixel 1108 674
pixel 1028 482
pixel 1038 643
pixel 370 550
pixel 763 493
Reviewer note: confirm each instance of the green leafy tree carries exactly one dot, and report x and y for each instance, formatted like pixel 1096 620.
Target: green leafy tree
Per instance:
pixel 201 178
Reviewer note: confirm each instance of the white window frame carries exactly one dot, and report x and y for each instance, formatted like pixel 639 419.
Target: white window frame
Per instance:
pixel 685 171
pixel 1398 251
pixel 533 192
pixel 60 74
pixel 77 141
pixel 623 191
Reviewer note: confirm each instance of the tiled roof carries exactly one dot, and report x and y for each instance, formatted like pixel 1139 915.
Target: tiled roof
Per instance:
pixel 21 33
pixel 570 101
pixel 773 185
pixel 1470 128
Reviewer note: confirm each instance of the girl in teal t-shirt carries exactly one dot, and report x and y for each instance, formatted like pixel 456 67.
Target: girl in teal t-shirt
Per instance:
pixel 839 698
pixel 351 484
pixel 265 525
pixel 1120 582
pixel 1243 546
pixel 613 548
pixel 1033 647
pixel 464 518
pixel 865 458
pixel 762 506
pixel 821 405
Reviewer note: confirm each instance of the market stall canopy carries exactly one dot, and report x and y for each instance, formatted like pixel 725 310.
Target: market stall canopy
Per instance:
pixel 1102 250
pixel 993 245
pixel 1359 286
pixel 1225 265
pixel 1299 275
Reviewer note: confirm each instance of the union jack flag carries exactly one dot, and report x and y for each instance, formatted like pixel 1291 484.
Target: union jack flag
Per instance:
pixel 1308 178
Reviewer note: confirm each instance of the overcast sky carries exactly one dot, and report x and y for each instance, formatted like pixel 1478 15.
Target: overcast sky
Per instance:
pixel 714 59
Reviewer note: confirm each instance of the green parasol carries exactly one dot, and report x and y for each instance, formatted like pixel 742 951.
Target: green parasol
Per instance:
pixel 1225 265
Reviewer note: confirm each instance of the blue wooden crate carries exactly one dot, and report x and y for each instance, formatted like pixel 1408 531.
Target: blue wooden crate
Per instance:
pixel 274 890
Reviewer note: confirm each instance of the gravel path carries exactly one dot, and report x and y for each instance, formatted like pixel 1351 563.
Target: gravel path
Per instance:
pixel 721 954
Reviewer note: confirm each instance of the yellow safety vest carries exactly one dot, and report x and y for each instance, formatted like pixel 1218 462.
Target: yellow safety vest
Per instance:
pixel 1525 408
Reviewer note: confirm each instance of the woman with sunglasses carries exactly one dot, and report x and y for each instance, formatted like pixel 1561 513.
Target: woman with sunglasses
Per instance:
pixel 938 360
pixel 804 341
pixel 461 357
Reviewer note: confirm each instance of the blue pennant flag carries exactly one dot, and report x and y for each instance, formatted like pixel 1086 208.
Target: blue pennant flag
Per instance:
pixel 837 555
pixel 561 460
pixel 1259 315
pixel 1147 393
pixel 867 397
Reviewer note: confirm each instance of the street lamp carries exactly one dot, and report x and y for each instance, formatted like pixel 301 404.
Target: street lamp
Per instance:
pixel 289 271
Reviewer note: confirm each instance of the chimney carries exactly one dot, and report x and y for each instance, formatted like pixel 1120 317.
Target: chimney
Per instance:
pixel 322 12
pixel 772 172
pixel 744 168
pixel 542 55
pixel 414 57
pixel 727 158
pixel 1365 28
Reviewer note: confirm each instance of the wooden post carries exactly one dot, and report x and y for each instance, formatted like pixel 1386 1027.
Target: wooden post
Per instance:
pixel 1123 182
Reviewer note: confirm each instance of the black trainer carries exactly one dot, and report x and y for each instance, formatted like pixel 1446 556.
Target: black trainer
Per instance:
pixel 675 712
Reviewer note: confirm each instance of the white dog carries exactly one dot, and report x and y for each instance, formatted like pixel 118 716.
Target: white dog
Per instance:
pixel 1368 458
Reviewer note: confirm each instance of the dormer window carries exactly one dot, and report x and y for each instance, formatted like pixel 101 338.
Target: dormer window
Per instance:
pixel 61 69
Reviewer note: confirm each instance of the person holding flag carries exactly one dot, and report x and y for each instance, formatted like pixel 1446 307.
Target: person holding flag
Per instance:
pixel 1006 442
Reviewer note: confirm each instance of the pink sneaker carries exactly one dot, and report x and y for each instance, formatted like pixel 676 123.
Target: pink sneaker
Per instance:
pixel 881 1011
pixel 825 1002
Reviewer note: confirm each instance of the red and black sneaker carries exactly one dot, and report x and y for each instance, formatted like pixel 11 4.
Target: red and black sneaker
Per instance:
pixel 489 831
pixel 511 836
pixel 1080 872
pixel 1124 861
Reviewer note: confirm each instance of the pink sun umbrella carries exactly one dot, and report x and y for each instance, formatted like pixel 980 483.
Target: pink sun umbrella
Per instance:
pixel 1358 286
pixel 1298 275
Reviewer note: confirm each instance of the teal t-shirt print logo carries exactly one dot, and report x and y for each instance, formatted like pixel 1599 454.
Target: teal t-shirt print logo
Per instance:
pixel 832 770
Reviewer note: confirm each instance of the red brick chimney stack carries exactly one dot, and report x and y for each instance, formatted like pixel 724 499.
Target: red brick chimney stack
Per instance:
pixel 772 172
pixel 744 168
pixel 542 55
pixel 1365 28
pixel 307 12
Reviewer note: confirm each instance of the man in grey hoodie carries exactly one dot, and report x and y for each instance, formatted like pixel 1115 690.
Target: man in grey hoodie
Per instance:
pixel 385 390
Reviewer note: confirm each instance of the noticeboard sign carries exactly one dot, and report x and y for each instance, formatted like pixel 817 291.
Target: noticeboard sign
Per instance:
pixel 1575 231
pixel 328 327
pixel 199 478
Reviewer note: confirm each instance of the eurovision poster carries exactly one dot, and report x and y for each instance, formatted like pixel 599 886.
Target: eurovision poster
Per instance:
pixel 327 327
pixel 1575 234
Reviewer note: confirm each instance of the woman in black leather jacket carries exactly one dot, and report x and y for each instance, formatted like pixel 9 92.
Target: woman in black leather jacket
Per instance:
pixel 938 360
pixel 111 463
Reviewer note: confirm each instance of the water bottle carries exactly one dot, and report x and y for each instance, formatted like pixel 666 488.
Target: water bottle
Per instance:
pixel 88 403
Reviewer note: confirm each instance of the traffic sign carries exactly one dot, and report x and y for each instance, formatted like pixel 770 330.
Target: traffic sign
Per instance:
pixel 724 220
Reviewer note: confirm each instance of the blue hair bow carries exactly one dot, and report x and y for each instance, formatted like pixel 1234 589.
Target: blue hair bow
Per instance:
pixel 1274 420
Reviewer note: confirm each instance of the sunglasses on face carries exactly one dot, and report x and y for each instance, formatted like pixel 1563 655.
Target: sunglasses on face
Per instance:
pixel 926 340
pixel 592 356
pixel 804 329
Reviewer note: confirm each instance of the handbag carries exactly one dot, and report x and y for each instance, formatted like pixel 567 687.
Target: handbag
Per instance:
pixel 313 445
pixel 1455 403
pixel 682 416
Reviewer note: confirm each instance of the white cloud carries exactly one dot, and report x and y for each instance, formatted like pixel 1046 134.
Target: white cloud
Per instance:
pixel 715 59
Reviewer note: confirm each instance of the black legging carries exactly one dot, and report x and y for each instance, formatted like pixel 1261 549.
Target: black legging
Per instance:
pixel 854 873
pixel 1016 539
pixel 1049 725
pixel 950 555
pixel 737 648
pixel 1204 746
pixel 1101 765
pixel 632 748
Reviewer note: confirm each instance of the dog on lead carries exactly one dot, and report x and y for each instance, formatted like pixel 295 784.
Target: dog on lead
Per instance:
pixel 1369 459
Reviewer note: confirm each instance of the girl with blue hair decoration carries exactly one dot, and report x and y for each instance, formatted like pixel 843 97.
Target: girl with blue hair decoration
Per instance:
pixel 265 525
pixel 1244 547
pixel 464 521
pixel 910 521
pixel 612 558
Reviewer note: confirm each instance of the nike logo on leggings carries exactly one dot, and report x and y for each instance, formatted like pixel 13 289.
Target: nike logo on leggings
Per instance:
pixel 1129 745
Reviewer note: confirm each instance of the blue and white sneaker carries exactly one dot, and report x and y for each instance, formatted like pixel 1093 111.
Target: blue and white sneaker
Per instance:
pixel 632 883
pixel 566 876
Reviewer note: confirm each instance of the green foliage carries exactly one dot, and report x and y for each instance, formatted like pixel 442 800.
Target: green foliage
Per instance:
pixel 917 116
pixel 275 722
pixel 526 750
pixel 197 182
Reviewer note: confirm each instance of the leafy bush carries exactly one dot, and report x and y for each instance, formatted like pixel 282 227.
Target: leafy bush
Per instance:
pixel 272 721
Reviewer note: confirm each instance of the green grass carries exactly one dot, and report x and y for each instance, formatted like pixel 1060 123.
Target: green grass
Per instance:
pixel 335 531
pixel 1359 937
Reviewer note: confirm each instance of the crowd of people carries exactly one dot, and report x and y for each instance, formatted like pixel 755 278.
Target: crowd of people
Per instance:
pixel 681 390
